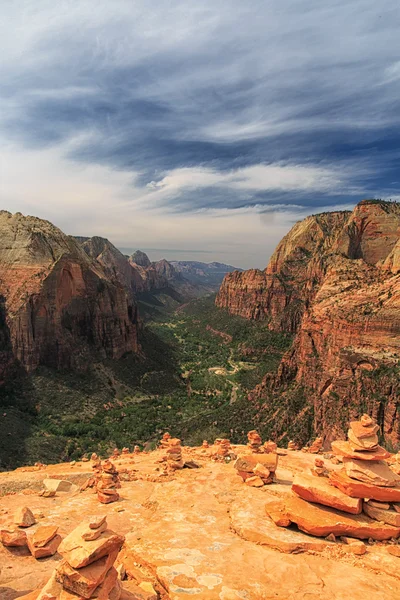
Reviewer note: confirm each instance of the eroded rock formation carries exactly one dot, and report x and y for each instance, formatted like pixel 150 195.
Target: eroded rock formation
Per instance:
pixel 334 281
pixel 58 306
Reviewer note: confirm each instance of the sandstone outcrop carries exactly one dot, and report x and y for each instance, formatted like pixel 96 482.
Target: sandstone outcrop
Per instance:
pixel 58 305
pixel 333 281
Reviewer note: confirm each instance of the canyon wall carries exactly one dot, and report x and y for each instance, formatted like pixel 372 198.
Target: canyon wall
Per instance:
pixel 334 281
pixel 58 306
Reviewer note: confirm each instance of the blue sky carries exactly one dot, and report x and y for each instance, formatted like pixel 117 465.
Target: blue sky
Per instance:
pixel 207 127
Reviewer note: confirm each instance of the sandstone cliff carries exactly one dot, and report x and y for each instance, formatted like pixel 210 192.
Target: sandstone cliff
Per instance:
pixel 58 306
pixel 334 280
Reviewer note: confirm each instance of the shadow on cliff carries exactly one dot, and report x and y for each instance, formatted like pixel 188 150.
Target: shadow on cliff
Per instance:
pixel 17 408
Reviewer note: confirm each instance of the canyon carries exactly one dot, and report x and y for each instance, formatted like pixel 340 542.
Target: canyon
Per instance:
pixel 334 282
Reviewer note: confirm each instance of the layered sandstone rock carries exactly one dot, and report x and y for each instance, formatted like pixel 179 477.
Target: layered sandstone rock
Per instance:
pixel 334 281
pixel 58 306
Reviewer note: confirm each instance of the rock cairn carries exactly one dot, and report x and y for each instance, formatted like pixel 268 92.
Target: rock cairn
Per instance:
pixel 270 446
pixel 254 441
pixel 258 468
pixel 222 451
pixel 164 442
pixel 174 454
pixel 361 500
pixel 87 569
pixel 205 444
pixel 42 542
pixel 136 450
pixel 292 445
pixel 116 453
pixel 316 446
pixel 108 483
pixel 125 451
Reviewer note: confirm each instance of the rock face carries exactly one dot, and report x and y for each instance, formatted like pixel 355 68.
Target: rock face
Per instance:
pixel 334 281
pixel 58 306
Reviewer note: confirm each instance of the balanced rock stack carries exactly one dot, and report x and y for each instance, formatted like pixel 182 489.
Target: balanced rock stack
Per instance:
pixel 108 483
pixel 42 542
pixel 125 451
pixel 87 570
pixel 254 441
pixel 205 444
pixel 270 446
pixel 258 468
pixel 164 442
pixel 223 451
pixel 316 446
pixel 292 445
pixel 358 501
pixel 136 450
pixel 319 469
pixel 115 453
pixel 174 454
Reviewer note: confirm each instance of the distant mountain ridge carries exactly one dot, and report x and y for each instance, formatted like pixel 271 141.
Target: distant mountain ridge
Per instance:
pixel 199 272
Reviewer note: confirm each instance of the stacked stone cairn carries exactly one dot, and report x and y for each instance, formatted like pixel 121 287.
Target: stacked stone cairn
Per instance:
pixel 87 569
pixel 257 468
pixel 222 451
pixel 316 446
pixel 164 442
pixel 107 484
pixel 292 445
pixel 125 451
pixel 174 454
pixel 254 441
pixel 205 444
pixel 361 500
pixel 136 450
pixel 42 542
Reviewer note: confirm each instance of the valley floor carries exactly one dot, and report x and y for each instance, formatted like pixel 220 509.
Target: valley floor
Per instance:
pixel 200 533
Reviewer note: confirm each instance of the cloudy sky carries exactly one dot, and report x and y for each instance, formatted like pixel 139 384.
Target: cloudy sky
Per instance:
pixel 199 130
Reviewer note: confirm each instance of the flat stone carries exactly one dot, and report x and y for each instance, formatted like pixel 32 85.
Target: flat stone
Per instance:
pixel 58 485
pixel 343 449
pixel 24 517
pixel 361 431
pixel 366 443
pixel 106 496
pixel 375 473
pixel 47 550
pixel 255 481
pixel 52 589
pixel 132 591
pixel 84 581
pixel 322 521
pixel 80 553
pixel 43 535
pixel 13 539
pixel 391 517
pixel 394 550
pixel 381 505
pixel 97 521
pixel 249 520
pixel 248 462
pixel 318 489
pixel 357 548
pixel 93 534
pixel 358 489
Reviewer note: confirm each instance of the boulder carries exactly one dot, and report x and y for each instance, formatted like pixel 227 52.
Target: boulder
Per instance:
pixel 13 539
pixel 359 489
pixel 248 462
pixel 318 490
pixel 59 485
pixel 24 517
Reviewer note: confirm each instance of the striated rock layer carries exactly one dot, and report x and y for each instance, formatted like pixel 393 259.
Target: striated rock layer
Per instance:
pixel 57 305
pixel 334 281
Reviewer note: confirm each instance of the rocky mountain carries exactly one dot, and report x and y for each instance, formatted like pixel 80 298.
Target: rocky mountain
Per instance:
pixel 210 274
pixel 58 305
pixel 334 281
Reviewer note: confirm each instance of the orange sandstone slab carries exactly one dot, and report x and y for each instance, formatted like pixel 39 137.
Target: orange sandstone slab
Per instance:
pixel 322 521
pixel 318 489
pixel 84 581
pixel 391 517
pixel 344 449
pixel 43 535
pixel 47 550
pixel 80 553
pixel 358 489
pixel 15 538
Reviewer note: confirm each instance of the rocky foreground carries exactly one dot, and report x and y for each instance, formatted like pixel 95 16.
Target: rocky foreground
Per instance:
pixel 202 531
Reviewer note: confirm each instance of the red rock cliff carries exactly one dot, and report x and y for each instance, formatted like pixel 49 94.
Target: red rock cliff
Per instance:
pixel 342 272
pixel 58 306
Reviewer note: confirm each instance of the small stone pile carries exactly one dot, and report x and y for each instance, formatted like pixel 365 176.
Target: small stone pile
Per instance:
pixel 319 469
pixel 136 450
pixel 257 469
pixel 43 542
pixel 87 569
pixel 174 454
pixel 316 446
pixel 164 442
pixel 116 453
pixel 205 444
pixel 125 451
pixel 108 483
pixel 363 498
pixel 270 446
pixel 292 445
pixel 223 451
pixel 254 441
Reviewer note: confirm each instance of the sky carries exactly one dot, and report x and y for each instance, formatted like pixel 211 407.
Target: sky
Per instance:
pixel 197 130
